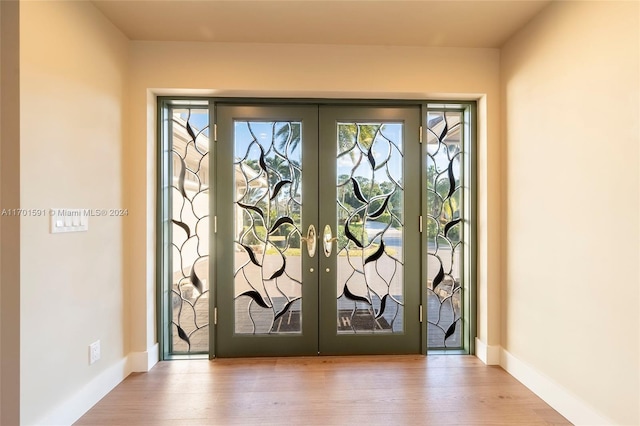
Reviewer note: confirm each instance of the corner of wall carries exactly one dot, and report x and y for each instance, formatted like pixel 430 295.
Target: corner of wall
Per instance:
pixel 489 354
pixel 488 222
pixel 141 362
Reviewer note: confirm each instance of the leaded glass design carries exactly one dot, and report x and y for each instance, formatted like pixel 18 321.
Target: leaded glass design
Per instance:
pixel 370 227
pixel 190 231
pixel 267 210
pixel 444 229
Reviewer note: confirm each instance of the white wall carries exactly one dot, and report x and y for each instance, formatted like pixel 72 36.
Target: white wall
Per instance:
pixel 314 71
pixel 73 72
pixel 570 295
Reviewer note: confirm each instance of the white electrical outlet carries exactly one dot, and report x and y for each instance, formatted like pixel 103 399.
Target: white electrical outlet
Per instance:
pixel 94 351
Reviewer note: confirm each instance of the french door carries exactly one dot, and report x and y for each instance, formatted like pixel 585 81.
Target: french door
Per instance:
pixel 317 230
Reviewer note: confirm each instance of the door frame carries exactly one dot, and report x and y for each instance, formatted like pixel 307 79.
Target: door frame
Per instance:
pixel 163 198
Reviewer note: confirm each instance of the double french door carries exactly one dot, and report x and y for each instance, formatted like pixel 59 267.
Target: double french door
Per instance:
pixel 317 237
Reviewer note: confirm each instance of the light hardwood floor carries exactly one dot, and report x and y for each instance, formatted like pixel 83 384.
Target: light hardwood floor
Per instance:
pixel 367 390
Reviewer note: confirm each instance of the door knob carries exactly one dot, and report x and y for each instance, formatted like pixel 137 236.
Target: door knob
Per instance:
pixel 310 240
pixel 327 240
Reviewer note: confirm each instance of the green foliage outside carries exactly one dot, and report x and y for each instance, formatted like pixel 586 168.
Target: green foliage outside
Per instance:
pixel 357 229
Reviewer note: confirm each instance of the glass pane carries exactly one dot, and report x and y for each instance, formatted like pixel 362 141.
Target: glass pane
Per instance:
pixel 190 231
pixel 370 227
pixel 444 229
pixel 267 209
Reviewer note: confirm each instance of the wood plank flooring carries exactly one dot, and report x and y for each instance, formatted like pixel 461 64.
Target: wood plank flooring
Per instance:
pixel 371 390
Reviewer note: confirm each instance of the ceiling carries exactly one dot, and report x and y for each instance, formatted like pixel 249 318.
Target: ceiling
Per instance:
pixel 360 22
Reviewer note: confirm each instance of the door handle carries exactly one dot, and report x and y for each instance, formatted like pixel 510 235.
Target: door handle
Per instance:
pixel 327 240
pixel 310 240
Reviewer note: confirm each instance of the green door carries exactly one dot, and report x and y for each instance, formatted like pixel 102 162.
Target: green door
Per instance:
pixel 317 237
pixel 370 202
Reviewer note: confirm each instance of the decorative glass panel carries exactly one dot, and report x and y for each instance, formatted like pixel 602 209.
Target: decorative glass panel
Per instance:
pixel 444 229
pixel 370 227
pixel 268 207
pixel 190 230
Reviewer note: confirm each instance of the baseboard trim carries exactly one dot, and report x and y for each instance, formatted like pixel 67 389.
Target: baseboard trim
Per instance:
pixel 489 354
pixel 141 362
pixel 78 404
pixel 573 408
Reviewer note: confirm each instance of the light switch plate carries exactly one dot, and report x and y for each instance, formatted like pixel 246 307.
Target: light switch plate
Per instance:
pixel 69 220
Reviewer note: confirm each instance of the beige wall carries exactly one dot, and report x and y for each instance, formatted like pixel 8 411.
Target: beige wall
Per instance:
pixel 569 80
pixel 224 69
pixel 73 70
pixel 9 225
pixel 570 301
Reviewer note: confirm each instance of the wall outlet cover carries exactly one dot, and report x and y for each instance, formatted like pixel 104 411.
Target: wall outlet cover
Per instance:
pixel 94 352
